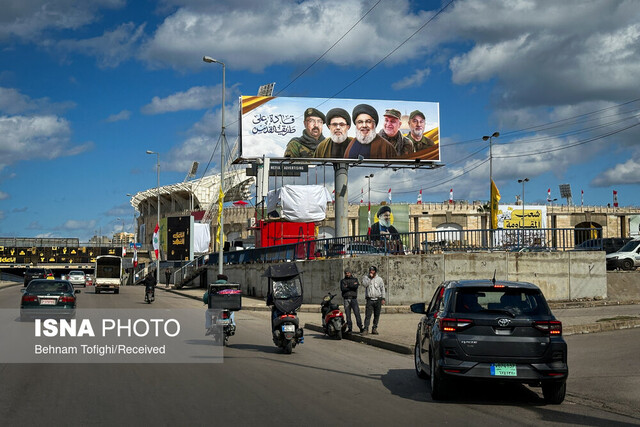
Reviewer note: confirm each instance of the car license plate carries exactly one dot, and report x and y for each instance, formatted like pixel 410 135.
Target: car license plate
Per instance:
pixel 504 370
pixel 288 328
pixel 47 302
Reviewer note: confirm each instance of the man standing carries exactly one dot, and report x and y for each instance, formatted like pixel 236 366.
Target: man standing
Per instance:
pixel 167 275
pixel 416 124
pixel 367 143
pixel 305 145
pixel 391 132
pixel 349 287
pixel 374 295
pixel 339 123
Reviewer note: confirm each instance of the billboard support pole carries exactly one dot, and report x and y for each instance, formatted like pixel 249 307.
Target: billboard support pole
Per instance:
pixel 341 178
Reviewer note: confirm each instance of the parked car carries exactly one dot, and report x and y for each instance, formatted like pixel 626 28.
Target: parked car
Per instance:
pixel 77 277
pixel 36 273
pixel 609 244
pixel 44 298
pixel 353 248
pixel 627 258
pixel 490 330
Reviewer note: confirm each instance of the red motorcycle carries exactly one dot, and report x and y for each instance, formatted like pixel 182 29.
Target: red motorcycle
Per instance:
pixel 333 322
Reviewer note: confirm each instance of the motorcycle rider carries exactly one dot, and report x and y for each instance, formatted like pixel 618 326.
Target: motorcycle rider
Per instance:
pixel 221 279
pixel 349 287
pixel 374 295
pixel 150 283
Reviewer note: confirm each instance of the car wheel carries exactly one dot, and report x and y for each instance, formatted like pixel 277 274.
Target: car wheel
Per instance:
pixel 97 291
pixel 627 264
pixel 417 353
pixel 554 392
pixel 438 386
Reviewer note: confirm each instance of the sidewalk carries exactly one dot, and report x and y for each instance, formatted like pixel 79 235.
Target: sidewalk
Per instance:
pixel 398 324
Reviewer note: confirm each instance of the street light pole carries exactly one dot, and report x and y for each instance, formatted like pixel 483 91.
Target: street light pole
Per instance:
pixel 522 181
pixel 158 190
pixel 490 138
pixel 223 142
pixel 369 201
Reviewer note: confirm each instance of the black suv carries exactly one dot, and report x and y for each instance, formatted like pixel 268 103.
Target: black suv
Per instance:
pixel 490 330
pixel 608 245
pixel 36 273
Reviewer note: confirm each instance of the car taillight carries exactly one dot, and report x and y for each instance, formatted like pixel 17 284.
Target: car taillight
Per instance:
pixel 552 327
pixel 29 298
pixel 448 324
pixel 67 299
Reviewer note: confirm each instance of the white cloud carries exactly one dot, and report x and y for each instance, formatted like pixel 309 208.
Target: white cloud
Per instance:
pixel 622 173
pixel 28 19
pixel 414 80
pixel 122 115
pixel 111 48
pixel 26 138
pixel 14 102
pixel 196 98
pixel 3 195
pixel 268 33
pixel 77 225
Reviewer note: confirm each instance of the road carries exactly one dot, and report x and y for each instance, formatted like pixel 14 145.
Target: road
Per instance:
pixel 322 382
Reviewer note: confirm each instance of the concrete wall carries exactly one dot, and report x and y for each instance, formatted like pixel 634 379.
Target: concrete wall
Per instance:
pixel 413 278
pixel 623 285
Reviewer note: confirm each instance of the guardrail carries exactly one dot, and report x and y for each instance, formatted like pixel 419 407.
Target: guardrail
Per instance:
pixel 512 240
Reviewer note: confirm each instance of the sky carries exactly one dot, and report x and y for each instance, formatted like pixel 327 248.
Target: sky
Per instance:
pixel 86 87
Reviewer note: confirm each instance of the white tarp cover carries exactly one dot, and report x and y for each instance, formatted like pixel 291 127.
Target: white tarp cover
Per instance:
pixel 300 203
pixel 201 237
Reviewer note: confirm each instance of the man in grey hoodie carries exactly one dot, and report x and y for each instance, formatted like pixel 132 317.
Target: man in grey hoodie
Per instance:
pixel 374 295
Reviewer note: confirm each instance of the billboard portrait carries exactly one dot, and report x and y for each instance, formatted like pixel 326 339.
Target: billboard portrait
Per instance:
pixel 395 216
pixel 634 225
pixel 358 130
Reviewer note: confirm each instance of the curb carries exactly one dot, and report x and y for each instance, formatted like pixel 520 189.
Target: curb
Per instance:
pixel 386 345
pixel 605 326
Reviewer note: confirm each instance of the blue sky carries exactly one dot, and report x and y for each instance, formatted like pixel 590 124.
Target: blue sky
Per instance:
pixel 86 87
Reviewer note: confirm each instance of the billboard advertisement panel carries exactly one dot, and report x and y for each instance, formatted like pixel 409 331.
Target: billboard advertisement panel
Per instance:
pixel 358 130
pixel 397 218
pixel 523 227
pixel 634 225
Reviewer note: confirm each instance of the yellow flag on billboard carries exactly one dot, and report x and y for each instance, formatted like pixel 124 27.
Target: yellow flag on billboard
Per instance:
pixel 495 198
pixel 220 203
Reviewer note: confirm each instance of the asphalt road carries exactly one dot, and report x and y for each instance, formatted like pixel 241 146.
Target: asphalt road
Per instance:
pixel 322 382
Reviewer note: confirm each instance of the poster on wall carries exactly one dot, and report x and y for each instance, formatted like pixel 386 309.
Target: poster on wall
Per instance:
pixel 395 218
pixel 179 242
pixel 362 130
pixel 521 226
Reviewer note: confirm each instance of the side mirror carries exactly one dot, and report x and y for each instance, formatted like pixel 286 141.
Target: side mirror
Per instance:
pixel 23 290
pixel 418 307
pixel 77 291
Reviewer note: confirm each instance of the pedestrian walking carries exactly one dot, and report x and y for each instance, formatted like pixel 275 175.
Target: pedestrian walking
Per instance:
pixel 349 287
pixel 374 296
pixel 167 275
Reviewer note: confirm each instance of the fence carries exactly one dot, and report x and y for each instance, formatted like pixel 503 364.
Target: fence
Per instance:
pixel 513 240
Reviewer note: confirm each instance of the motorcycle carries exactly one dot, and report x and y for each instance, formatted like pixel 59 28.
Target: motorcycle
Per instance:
pixel 149 295
pixel 222 326
pixel 333 322
pixel 223 298
pixel 285 294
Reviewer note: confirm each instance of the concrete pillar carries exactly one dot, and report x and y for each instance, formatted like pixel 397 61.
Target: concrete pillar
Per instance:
pixel 341 179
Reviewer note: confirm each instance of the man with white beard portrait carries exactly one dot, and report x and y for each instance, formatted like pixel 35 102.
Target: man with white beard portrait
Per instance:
pixel 383 228
pixel 391 132
pixel 367 143
pixel 339 123
pixel 416 124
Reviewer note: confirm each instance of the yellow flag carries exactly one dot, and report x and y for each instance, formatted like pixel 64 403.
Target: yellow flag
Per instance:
pixel 220 202
pixel 495 198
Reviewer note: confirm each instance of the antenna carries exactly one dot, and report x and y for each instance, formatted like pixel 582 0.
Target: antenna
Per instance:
pixel 494 277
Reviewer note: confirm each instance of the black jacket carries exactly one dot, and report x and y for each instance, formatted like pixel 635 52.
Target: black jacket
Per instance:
pixel 349 287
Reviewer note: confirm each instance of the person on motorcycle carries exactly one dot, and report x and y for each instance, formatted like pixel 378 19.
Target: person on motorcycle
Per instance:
pixel 150 283
pixel 349 287
pixel 221 279
pixel 374 295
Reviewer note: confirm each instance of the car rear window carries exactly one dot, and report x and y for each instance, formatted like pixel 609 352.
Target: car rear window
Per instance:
pixel 48 286
pixel 516 301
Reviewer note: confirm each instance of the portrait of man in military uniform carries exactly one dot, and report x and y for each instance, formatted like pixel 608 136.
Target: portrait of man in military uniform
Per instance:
pixel 305 145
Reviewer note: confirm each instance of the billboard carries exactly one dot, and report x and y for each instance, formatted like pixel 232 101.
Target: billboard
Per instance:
pixel 634 225
pixel 398 218
pixel 522 226
pixel 358 130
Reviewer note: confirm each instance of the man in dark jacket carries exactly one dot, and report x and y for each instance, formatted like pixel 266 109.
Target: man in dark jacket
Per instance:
pixel 349 287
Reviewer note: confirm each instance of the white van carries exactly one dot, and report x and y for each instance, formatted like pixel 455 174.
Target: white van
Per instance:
pixel 627 258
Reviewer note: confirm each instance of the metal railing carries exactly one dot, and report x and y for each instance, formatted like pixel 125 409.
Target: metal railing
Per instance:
pixel 511 240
